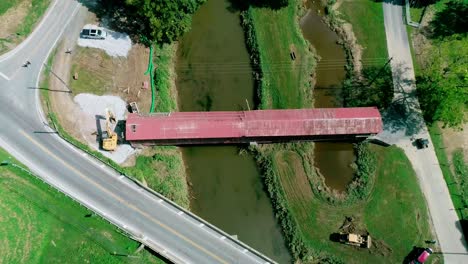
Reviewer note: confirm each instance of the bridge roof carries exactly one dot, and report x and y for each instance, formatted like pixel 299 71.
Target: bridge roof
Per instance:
pixel 257 123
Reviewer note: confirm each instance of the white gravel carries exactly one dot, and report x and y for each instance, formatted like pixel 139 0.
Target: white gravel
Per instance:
pixel 116 44
pixel 93 106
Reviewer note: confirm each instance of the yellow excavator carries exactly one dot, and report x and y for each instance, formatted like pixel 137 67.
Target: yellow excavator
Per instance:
pixel 110 143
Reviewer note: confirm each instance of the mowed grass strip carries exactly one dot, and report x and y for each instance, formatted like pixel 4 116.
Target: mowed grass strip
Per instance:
pixel 395 214
pixel 7 4
pixel 286 82
pixel 41 225
pixel 367 19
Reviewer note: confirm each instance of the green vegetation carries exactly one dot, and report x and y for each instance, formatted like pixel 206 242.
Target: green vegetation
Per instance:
pixel 455 176
pixel 152 21
pixel 7 4
pixel 33 14
pixel 162 172
pixel 41 225
pixel 164 77
pixel 441 62
pixel 366 16
pixel 284 83
pixel 442 81
pixel 394 214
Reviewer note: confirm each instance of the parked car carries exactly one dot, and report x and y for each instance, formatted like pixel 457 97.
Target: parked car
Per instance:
pixel 422 143
pixel 423 256
pixel 93 32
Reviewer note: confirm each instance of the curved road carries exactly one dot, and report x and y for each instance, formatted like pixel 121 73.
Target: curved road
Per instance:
pixel 156 222
pixel 444 217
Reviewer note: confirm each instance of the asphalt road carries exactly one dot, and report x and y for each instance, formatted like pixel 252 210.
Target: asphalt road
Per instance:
pixel 153 221
pixel 400 128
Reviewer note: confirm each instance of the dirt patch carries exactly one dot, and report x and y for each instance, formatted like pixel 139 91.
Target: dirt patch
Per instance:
pixel 102 74
pixel 455 139
pixel 345 31
pixel 11 20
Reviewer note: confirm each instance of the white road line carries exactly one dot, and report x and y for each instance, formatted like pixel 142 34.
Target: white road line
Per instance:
pixel 4 76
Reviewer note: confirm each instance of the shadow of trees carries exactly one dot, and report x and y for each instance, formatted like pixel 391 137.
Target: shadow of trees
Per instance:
pixel 451 20
pixel 403 113
pixel 245 4
pixel 422 3
pixel 373 88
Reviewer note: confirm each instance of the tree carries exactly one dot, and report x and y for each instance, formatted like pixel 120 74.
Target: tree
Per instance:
pixel 163 20
pixel 443 85
pixel 453 19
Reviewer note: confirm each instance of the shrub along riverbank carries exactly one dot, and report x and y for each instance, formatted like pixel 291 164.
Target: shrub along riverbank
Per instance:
pixel 307 210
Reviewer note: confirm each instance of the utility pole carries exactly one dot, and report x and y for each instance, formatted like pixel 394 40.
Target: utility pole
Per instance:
pixel 60 79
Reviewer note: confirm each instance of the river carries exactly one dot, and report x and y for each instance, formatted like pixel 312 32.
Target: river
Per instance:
pixel 214 73
pixel 333 160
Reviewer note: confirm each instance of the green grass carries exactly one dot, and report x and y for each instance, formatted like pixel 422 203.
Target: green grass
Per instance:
pixel 91 81
pixel 395 213
pixel 164 76
pixel 367 19
pixel 41 225
pixel 285 83
pixel 416 14
pixel 453 180
pixel 7 4
pixel 163 171
pixel 38 7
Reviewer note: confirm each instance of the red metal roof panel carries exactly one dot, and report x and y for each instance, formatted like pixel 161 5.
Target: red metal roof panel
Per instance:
pixel 258 123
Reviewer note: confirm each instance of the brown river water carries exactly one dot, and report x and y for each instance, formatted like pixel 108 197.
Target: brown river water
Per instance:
pixel 214 73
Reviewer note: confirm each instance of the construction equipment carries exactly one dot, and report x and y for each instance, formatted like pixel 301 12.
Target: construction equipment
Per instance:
pixel 363 241
pixel 110 143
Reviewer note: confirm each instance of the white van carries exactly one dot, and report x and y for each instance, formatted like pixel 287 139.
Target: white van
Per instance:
pixel 93 32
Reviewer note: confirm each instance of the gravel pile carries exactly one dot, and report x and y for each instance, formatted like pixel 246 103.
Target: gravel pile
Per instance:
pixel 94 107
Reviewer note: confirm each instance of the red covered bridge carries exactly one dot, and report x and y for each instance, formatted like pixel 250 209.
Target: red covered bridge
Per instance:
pixel 262 126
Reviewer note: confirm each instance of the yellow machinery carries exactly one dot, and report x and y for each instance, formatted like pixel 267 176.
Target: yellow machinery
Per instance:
pixel 357 240
pixel 110 143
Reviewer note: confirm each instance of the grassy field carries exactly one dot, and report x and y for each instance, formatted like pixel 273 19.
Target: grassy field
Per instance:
pixel 41 225
pixel 285 82
pixel 29 18
pixel 395 214
pixel 366 16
